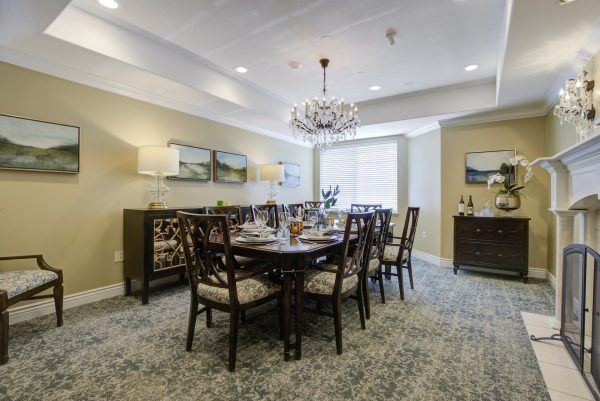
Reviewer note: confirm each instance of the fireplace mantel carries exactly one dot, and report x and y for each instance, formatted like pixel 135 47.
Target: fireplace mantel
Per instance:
pixel 574 198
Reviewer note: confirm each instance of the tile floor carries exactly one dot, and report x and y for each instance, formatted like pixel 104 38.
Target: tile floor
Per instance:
pixel 560 374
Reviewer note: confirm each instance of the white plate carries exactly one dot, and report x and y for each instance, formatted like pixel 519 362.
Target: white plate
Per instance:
pixel 253 240
pixel 256 229
pixel 326 238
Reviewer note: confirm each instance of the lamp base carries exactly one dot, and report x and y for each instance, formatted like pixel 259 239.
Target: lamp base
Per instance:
pixel 157 205
pixel 271 202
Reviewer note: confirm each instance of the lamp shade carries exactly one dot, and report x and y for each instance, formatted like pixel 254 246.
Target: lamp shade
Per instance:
pixel 272 172
pixel 158 160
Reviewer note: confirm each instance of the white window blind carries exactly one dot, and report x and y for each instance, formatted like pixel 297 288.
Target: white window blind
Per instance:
pixel 365 171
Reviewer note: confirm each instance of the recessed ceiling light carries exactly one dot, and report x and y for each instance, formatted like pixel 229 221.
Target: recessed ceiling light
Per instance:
pixel 563 2
pixel 326 37
pixel 241 70
pixel 112 4
pixel 375 87
pixel 409 83
pixel 471 67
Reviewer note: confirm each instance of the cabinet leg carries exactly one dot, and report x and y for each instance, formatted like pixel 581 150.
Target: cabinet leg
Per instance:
pixel 145 291
pixel 127 285
pixel 524 277
pixel 455 268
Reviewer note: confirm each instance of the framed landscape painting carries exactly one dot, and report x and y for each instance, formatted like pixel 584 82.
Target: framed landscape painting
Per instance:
pixel 194 163
pixel 291 175
pixel 480 165
pixel 230 167
pixel 27 144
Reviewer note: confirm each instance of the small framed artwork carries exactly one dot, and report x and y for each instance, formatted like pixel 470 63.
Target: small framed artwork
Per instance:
pixel 291 175
pixel 195 164
pixel 27 144
pixel 230 167
pixel 480 165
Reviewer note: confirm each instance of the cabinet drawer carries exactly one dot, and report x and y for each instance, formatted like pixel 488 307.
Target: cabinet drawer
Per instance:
pixel 500 255
pixel 492 230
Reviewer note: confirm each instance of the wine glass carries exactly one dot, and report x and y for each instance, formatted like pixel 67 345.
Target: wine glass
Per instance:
pixel 343 217
pixel 313 218
pixel 300 212
pixel 263 217
pixel 284 224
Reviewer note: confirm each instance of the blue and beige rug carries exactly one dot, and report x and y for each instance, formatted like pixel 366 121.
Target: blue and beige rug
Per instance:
pixel 453 338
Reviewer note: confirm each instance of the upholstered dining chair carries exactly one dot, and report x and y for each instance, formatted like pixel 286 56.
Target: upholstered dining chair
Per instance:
pixel 234 213
pixel 398 254
pixel 272 211
pixel 382 219
pixel 333 282
pixel 364 207
pixel 313 204
pixel 25 285
pixel 214 281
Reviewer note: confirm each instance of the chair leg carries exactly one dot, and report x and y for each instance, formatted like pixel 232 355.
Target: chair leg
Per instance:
pixel 400 282
pixel 361 305
pixel 381 291
pixel 191 324
pixel 3 337
pixel 337 323
pixel 243 316
pixel 319 306
pixel 410 278
pixel 208 317
pixel 58 304
pixel 233 334
pixel 280 315
pixel 366 301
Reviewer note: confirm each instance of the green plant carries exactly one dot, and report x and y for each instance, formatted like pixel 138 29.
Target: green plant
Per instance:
pixel 503 177
pixel 329 197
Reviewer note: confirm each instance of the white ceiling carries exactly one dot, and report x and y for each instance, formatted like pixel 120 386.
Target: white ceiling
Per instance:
pixel 182 54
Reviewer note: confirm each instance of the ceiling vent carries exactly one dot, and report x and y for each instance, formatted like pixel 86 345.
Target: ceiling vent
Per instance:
pixel 390 35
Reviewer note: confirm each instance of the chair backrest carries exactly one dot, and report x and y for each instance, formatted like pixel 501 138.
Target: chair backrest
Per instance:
pixel 364 207
pixel 233 212
pixel 292 208
pixel 314 204
pixel 409 230
pixel 361 225
pixel 381 225
pixel 202 263
pixel 272 211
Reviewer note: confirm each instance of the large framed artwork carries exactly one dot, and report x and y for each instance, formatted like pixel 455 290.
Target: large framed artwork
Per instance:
pixel 480 165
pixel 27 144
pixel 291 174
pixel 230 167
pixel 195 163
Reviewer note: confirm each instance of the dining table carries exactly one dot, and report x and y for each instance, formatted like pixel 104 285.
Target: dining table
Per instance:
pixel 290 257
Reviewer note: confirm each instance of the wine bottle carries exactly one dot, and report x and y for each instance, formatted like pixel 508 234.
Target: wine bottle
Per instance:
pixel 461 206
pixel 470 207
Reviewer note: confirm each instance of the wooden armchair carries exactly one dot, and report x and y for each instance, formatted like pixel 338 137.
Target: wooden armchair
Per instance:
pixel 214 281
pixel 24 285
pixel 292 208
pixel 364 207
pixel 272 211
pixel 313 204
pixel 398 254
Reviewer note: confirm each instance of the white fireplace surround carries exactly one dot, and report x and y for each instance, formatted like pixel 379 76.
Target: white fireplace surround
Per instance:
pixel 574 200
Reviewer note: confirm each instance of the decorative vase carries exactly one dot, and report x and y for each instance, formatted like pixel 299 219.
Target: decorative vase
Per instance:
pixel 508 201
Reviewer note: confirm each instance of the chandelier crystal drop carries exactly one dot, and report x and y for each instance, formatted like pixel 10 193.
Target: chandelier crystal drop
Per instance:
pixel 325 122
pixel 575 105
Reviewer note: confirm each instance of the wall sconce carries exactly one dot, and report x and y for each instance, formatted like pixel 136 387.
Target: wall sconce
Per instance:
pixel 576 105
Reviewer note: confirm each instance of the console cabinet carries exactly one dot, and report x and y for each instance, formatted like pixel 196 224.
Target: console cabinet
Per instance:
pixel 497 243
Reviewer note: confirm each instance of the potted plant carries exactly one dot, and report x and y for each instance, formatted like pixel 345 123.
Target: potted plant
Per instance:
pixel 329 197
pixel 509 198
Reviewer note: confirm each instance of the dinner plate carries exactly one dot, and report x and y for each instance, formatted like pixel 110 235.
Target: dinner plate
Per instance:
pixel 327 238
pixel 253 240
pixel 255 229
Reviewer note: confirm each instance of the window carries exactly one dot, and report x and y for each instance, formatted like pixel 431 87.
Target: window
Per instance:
pixel 365 171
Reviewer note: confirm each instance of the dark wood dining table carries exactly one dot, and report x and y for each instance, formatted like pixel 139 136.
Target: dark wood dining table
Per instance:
pixel 291 258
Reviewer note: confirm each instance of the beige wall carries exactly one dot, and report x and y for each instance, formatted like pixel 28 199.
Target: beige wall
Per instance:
pixel 75 220
pixel 527 136
pixel 424 189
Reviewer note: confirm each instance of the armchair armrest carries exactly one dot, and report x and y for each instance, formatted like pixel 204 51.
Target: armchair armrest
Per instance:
pixel 42 264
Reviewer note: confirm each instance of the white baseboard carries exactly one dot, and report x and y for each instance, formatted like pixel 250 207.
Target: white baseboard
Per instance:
pixel 534 272
pixel 551 279
pixel 46 307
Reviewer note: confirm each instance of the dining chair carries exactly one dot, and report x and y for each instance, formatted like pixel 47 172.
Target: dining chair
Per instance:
pixel 382 219
pixel 314 204
pixel 292 208
pixel 364 207
pixel 214 281
pixel 25 285
pixel 333 282
pixel 234 213
pixel 398 254
pixel 272 211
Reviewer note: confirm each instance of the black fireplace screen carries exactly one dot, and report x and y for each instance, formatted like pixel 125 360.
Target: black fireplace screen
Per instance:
pixel 583 348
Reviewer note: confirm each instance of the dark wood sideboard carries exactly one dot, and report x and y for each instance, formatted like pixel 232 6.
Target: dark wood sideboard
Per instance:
pixel 152 246
pixel 497 243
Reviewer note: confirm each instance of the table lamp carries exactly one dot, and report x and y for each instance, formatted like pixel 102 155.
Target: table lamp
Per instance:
pixel 273 174
pixel 159 162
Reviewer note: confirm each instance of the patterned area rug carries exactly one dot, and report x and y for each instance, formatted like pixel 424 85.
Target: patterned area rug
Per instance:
pixel 453 338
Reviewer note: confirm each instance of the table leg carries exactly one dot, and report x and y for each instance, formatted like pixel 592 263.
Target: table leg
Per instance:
pixel 299 305
pixel 287 295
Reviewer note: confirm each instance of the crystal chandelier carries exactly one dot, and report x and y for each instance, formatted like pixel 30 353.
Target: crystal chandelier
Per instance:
pixel 327 122
pixel 576 105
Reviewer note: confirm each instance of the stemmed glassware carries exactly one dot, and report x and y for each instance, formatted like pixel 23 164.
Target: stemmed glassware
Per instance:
pixel 313 218
pixel 300 212
pixel 284 225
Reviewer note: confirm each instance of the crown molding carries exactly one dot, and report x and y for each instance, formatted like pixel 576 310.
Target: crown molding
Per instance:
pixel 494 117
pixel 423 130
